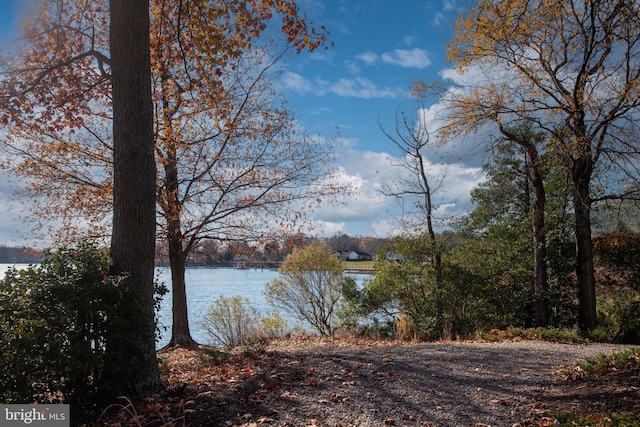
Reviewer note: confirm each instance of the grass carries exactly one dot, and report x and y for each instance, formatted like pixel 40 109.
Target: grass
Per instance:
pixel 598 366
pixel 358 265
pixel 571 420
pixel 546 334
pixel 606 363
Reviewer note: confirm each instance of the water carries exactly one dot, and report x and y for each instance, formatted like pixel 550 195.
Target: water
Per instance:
pixel 203 286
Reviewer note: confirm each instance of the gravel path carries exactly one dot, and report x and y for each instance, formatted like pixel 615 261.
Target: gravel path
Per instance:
pixel 434 384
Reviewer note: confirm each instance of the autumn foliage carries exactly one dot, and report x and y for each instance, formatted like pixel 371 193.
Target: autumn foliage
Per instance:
pixel 55 98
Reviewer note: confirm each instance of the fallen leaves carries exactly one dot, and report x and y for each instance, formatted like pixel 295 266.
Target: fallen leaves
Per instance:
pixel 338 387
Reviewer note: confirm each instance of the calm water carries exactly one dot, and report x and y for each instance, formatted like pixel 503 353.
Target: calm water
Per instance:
pixel 203 286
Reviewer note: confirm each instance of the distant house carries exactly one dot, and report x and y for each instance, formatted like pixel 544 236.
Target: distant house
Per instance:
pixel 392 256
pixel 354 256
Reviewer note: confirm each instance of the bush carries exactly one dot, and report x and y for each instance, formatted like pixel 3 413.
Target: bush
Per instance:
pixel 619 320
pixel 232 322
pixel 274 326
pixel 53 322
pixel 309 287
pixel 420 299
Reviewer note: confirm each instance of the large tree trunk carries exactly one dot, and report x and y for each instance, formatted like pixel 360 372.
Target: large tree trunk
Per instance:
pixel 180 335
pixel 131 365
pixel 172 205
pixel 581 174
pixel 541 286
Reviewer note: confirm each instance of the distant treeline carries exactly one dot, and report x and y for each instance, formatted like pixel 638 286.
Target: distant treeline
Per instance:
pixel 20 255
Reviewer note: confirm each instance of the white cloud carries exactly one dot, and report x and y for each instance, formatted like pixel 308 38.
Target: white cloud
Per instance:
pixel 364 204
pixel 352 67
pixel 296 83
pixel 449 5
pixel 369 212
pixel 468 150
pixel 409 40
pixel 386 228
pixel 439 19
pixel 370 172
pixel 325 228
pixel 414 58
pixel 363 88
pixel 358 87
pixel 369 58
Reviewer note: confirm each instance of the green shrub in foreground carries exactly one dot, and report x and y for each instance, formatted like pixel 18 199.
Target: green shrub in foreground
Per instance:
pixel 53 322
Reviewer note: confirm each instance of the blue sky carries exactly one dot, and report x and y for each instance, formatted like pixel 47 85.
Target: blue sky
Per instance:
pixel 379 47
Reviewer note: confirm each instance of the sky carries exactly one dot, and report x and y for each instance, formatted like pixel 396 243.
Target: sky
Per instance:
pixel 347 92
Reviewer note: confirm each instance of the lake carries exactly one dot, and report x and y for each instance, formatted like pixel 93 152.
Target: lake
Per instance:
pixel 203 286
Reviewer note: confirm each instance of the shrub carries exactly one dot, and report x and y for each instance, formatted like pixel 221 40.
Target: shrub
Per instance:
pixel 232 322
pixel 309 287
pixel 53 322
pixel 422 300
pixel 274 325
pixel 618 320
pixel 604 363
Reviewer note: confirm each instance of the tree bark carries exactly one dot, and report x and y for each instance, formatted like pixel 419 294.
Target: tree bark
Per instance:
pixel 581 171
pixel 173 206
pixel 131 365
pixel 535 177
pixel 180 334
pixel 541 286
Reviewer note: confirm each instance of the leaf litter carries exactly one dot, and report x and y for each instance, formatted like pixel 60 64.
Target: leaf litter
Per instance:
pixel 321 382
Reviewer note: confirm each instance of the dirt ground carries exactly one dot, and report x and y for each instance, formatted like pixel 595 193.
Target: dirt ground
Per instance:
pixel 336 383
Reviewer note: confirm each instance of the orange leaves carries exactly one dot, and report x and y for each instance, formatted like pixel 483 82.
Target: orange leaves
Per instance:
pixel 216 119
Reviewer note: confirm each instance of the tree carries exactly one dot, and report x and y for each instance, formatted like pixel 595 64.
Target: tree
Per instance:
pixel 229 152
pixel 412 138
pixel 48 96
pixel 534 171
pixel 407 296
pixel 130 360
pixel 571 69
pixel 498 231
pixel 56 104
pixel 309 287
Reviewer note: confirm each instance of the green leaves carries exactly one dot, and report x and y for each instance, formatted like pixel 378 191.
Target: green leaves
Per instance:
pixel 53 321
pixel 309 287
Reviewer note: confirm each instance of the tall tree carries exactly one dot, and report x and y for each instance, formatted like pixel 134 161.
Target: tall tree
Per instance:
pixel 571 68
pixel 49 96
pixel 532 144
pixel 131 356
pixel 535 172
pixel 229 152
pixel 412 138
